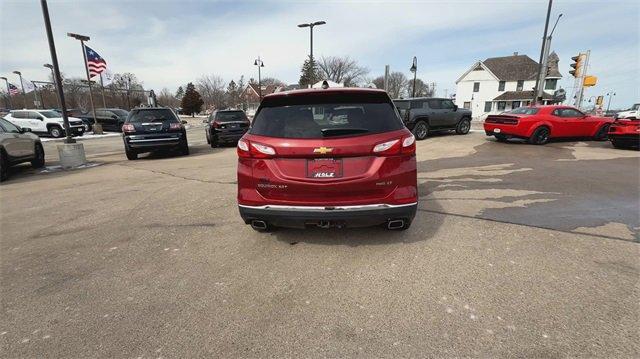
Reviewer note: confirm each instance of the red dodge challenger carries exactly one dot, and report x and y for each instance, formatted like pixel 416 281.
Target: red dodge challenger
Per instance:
pixel 538 124
pixel 625 133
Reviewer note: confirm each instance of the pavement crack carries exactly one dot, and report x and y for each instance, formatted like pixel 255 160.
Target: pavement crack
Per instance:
pixel 177 176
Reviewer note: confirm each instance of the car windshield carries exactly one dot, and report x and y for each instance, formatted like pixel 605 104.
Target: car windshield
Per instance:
pixel 635 107
pixel 49 114
pixel 119 112
pixel 154 115
pixel 524 111
pixel 229 116
pixel 310 116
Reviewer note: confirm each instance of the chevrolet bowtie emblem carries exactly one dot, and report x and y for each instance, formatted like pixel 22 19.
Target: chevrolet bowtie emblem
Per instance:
pixel 322 150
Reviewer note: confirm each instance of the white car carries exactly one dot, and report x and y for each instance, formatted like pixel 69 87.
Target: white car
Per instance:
pixel 45 122
pixel 632 113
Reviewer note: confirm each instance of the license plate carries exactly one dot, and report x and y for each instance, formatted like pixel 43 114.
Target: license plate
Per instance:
pixel 497 130
pixel 324 168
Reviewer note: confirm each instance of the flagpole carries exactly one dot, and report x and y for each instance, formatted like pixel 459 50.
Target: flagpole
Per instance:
pixel 97 128
pixel 104 103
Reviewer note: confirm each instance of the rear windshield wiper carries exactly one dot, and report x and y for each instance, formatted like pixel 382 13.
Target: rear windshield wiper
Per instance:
pixel 328 132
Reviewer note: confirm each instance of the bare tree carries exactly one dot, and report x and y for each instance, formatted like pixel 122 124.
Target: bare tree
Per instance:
pixel 342 70
pixel 396 85
pixel 212 88
pixel 166 98
pixel 266 81
pixel 422 89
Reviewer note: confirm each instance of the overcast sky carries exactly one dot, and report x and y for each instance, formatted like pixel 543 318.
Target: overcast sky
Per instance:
pixel 169 43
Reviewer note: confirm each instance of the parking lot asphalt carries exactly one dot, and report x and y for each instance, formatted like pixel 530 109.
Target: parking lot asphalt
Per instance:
pixel 516 250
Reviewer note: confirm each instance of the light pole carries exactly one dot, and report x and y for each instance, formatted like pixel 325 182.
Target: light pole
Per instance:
pixel 8 91
pixel 56 71
pixel 97 128
pixel 24 98
pixel 542 51
pixel 414 69
pixel 53 75
pixel 610 94
pixel 311 25
pixel 260 64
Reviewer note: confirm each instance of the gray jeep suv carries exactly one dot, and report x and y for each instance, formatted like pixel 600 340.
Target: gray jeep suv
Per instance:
pixel 425 114
pixel 18 145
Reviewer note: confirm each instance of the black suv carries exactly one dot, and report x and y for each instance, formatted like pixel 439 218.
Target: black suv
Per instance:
pixel 226 126
pixel 111 119
pixel 153 128
pixel 422 115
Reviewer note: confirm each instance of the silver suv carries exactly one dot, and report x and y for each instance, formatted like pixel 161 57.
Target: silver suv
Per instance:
pixel 18 145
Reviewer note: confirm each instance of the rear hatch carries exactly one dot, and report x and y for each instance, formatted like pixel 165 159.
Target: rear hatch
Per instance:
pixel 154 122
pixel 324 145
pixel 232 122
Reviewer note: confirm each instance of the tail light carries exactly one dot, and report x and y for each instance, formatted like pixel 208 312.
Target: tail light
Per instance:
pixel 175 126
pixel 405 145
pixel 215 124
pixel 249 149
pixel 127 127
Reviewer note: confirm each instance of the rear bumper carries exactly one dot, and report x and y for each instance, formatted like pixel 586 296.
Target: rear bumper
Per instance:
pixel 224 136
pixel 148 142
pixel 508 131
pixel 344 216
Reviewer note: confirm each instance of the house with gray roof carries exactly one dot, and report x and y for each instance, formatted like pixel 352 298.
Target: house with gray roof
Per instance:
pixel 500 84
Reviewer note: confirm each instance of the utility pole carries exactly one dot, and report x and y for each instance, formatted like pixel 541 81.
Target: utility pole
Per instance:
pixel 542 51
pixel 580 79
pixel 97 127
pixel 414 69
pixel 24 98
pixel 8 92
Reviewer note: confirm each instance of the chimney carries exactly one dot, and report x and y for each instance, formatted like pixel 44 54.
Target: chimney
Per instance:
pixel 515 53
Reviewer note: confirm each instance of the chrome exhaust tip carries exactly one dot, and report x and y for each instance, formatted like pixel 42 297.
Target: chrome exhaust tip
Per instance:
pixel 395 224
pixel 258 225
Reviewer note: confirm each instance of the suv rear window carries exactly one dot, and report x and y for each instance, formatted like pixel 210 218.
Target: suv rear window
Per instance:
pixel 154 115
pixel 229 116
pixel 325 115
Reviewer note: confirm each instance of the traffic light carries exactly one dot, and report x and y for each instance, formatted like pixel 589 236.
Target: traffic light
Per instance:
pixel 577 65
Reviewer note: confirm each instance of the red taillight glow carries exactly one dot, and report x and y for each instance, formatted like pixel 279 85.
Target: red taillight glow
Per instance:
pixel 127 127
pixel 215 124
pixel 254 150
pixel 405 145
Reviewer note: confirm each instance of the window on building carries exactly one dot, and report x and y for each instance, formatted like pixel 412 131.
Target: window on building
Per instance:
pixel 487 106
pixel 550 84
pixel 476 86
pixel 515 104
pixel 501 85
pixel 502 105
pixel 467 105
pixel 520 85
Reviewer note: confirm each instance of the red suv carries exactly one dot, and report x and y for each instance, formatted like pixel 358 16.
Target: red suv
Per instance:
pixel 327 158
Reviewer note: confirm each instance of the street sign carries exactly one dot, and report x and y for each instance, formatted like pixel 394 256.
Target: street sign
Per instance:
pixel 590 81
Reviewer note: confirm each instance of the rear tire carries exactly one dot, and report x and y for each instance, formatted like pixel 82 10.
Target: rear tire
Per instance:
pixel 501 138
pixel 55 131
pixel 131 154
pixel 184 148
pixel 4 166
pixel 540 136
pixel 602 133
pixel 214 142
pixel 464 126
pixel 421 130
pixel 38 160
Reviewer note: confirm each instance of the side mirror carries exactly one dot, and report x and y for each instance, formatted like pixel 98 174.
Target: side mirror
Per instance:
pixel 25 129
pixel 184 122
pixel 455 108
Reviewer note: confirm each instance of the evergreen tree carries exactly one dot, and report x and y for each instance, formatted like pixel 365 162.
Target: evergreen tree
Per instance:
pixel 309 73
pixel 232 94
pixel 180 93
pixel 191 101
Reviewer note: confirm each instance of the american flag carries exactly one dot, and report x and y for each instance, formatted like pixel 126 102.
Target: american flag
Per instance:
pixel 13 90
pixel 95 63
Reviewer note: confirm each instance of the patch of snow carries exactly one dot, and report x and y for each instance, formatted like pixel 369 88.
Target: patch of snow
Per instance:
pixel 50 169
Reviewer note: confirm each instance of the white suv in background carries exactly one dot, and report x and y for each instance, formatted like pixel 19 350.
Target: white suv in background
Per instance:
pixel 45 122
pixel 632 113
